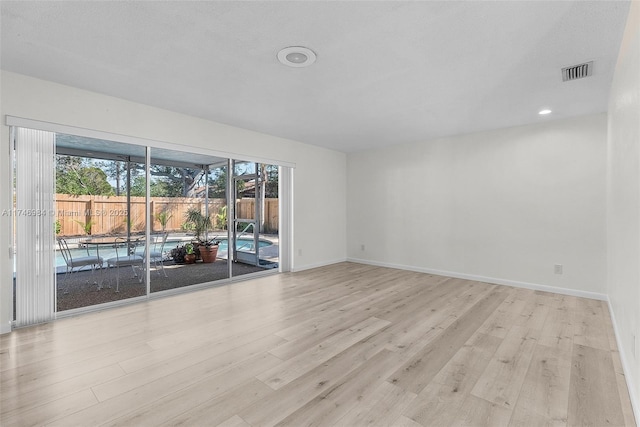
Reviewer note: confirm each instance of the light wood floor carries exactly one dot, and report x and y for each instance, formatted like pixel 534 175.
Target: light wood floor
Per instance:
pixel 344 345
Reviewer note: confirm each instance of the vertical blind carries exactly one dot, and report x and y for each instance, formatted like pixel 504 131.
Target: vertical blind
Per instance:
pixel 34 226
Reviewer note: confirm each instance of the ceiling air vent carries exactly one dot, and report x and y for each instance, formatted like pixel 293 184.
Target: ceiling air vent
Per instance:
pixel 576 72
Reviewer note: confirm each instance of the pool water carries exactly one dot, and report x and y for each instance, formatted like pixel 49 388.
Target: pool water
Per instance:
pixel 241 244
pixel 109 252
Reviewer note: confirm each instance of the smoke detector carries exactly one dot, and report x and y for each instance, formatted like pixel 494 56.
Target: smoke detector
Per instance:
pixel 576 72
pixel 297 56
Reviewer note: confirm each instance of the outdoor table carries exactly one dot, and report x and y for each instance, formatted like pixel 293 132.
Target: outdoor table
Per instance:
pixel 109 241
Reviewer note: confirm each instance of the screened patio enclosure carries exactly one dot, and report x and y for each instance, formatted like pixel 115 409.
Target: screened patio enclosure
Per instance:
pixel 131 207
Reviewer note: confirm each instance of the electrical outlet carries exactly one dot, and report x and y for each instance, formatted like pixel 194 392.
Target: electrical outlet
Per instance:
pixel 557 269
pixel 362 247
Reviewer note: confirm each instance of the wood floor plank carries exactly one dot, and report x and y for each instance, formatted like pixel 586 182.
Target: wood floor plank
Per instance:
pixel 411 334
pixel 203 403
pixel 79 343
pixel 502 379
pixel 211 412
pixel 367 298
pixel 403 421
pixel 28 378
pixel 414 375
pixel 409 301
pixel 201 362
pixel 220 342
pixel 478 412
pixel 589 325
pixel 345 345
pixel 234 421
pixel 50 411
pixel 14 400
pixel 535 312
pixel 623 391
pixel 309 359
pixel 60 356
pixel 544 396
pixel 442 399
pixel 380 408
pixel 278 405
pixel 318 332
pixel 500 321
pixel 593 394
pixel 558 329
pixel 332 404
pixel 154 391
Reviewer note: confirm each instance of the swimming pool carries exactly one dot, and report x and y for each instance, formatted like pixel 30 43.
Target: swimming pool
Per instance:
pixel 106 252
pixel 241 244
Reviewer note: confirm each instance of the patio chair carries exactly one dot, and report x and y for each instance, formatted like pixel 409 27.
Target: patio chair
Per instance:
pixel 126 256
pixel 72 263
pixel 157 254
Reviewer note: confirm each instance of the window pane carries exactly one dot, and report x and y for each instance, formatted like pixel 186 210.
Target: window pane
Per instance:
pixel 255 218
pixel 187 206
pixel 100 221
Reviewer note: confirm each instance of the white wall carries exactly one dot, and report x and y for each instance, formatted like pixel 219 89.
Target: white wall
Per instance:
pixel 319 177
pixel 623 203
pixel 504 205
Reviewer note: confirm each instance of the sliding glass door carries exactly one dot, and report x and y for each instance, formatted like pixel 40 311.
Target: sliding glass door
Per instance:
pixel 127 221
pixel 255 217
pixel 101 221
pixel 188 200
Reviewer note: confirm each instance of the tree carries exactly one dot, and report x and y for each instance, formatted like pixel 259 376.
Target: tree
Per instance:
pixel 114 170
pixel 157 187
pixel 176 182
pixel 138 186
pixel 218 185
pixel 270 177
pixel 75 175
pixel 166 181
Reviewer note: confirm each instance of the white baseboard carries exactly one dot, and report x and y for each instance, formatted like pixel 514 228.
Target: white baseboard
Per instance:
pixel 514 283
pixel 296 268
pixel 633 396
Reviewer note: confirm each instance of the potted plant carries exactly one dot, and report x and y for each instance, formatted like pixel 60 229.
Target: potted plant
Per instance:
pixel 199 222
pixel 177 254
pixel 190 255
pixel 207 248
pixel 185 254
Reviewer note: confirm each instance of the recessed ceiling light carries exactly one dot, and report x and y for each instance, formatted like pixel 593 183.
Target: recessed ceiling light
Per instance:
pixel 297 56
pixel 544 112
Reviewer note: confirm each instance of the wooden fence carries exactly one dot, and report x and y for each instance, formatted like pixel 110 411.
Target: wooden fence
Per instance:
pixel 108 214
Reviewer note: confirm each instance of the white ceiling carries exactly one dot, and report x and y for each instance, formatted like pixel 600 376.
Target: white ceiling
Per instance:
pixel 387 72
